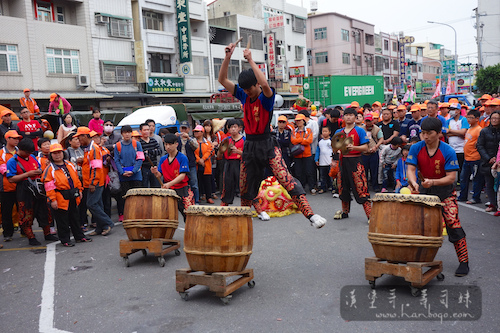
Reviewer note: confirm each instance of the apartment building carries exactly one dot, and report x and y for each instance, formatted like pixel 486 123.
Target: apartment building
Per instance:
pixel 339 45
pixel 387 59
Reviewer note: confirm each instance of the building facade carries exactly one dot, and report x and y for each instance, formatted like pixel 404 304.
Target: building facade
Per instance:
pixel 339 45
pixel 487 32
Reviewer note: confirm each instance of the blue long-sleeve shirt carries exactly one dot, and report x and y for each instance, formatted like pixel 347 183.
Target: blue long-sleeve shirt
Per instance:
pixel 401 170
pixel 126 160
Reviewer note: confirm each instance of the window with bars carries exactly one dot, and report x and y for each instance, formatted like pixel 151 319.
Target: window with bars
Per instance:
pixel 320 33
pixel 345 34
pixel 257 42
pixel 299 53
pixel 346 58
pixel 159 63
pixel 233 70
pixel 386 45
pixel 298 24
pixel 8 58
pixel 395 46
pixel 386 63
pixel 200 66
pixel 358 60
pixel 60 15
pixel 117 73
pixel 369 39
pixel 395 64
pixel 321 57
pixel 62 61
pixel 152 21
pixel 379 63
pixel 119 28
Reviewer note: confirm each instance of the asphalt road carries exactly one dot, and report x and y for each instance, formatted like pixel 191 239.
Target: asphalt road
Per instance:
pixel 299 274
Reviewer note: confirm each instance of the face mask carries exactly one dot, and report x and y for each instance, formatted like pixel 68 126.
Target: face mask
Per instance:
pixel 108 128
pixel 453 113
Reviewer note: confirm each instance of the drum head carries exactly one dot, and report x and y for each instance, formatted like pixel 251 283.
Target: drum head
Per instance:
pixel 429 200
pixel 161 192
pixel 219 210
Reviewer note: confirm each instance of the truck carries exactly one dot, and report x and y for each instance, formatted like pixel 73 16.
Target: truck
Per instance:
pixel 344 89
pixel 468 98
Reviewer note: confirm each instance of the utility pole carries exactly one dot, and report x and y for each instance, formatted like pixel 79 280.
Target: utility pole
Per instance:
pixel 479 37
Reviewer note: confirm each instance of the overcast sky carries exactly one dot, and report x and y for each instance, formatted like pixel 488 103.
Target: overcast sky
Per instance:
pixel 411 17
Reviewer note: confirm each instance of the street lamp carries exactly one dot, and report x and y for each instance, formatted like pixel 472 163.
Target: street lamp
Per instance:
pixel 456 58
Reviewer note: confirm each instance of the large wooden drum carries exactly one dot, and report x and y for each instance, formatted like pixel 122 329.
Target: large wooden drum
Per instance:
pixel 150 213
pixel 218 239
pixel 406 227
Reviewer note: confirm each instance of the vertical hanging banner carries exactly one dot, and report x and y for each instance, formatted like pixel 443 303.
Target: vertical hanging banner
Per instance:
pixel 271 55
pixel 402 69
pixel 184 30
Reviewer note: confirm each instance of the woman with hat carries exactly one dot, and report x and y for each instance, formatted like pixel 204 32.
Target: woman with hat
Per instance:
pixel 303 160
pixel 59 104
pixel 64 191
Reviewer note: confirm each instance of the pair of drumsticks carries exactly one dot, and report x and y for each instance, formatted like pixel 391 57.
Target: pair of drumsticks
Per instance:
pixel 239 40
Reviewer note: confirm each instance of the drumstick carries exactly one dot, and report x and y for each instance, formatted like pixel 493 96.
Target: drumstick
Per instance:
pixel 249 41
pixel 152 164
pixel 235 43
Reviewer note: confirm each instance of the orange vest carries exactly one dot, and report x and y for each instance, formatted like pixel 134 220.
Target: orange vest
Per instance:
pixel 55 180
pixel 30 104
pixel 7 186
pixel 92 167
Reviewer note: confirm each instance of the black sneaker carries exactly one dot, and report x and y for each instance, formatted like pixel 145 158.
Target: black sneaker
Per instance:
pixel 51 238
pixel 34 241
pixel 462 270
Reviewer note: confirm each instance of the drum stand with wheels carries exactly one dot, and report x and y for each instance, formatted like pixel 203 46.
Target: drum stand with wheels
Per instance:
pixel 155 246
pixel 412 272
pixel 216 282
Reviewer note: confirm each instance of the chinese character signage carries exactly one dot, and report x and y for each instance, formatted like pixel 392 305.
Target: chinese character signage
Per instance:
pixel 165 85
pixel 184 30
pixel 275 21
pixel 297 71
pixel 402 60
pixel 271 55
pixel 263 69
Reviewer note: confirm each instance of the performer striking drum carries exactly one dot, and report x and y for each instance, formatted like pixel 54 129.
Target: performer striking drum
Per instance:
pixel 261 149
pixel 438 164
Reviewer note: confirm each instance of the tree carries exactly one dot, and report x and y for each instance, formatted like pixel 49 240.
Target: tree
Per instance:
pixel 488 79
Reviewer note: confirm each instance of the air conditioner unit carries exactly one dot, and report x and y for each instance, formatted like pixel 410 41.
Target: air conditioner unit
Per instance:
pixel 281 58
pixel 100 19
pixel 354 33
pixel 82 80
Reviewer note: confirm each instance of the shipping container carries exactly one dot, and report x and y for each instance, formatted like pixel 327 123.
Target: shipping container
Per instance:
pixel 344 89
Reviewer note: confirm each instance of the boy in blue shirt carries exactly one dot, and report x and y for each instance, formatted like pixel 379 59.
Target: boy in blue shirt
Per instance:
pixel 128 157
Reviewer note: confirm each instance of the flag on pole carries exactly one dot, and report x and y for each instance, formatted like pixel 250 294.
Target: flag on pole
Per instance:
pixel 437 93
pixel 448 86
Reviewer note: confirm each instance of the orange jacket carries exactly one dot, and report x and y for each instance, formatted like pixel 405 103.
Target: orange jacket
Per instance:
pixel 44 162
pixel 55 180
pixel 92 166
pixel 105 168
pixel 30 104
pixel 6 186
pixel 303 138
pixel 206 152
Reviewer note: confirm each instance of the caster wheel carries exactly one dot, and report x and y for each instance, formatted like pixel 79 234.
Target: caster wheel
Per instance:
pixel 225 300
pixel 161 261
pixel 440 277
pixel 372 284
pixel 415 292
pixel 144 252
pixel 184 295
pixel 126 262
pixel 251 284
pixel 177 252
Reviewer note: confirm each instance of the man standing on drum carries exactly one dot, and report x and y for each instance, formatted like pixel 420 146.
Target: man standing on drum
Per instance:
pixel 261 149
pixel 438 163
pixel 174 167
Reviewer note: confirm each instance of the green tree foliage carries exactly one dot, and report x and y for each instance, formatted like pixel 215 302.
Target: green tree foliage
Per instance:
pixel 488 79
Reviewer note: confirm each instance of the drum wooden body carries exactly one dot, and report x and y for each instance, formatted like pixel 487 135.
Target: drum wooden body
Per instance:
pixel 406 227
pixel 218 239
pixel 150 213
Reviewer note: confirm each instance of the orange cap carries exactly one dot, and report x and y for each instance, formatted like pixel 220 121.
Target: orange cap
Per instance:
pixel 6 112
pixel 486 96
pixel 134 133
pixel 423 106
pixel 481 109
pixel 53 96
pixel 391 106
pixel 444 105
pixel 282 118
pixel 495 102
pixel 354 105
pixel 377 103
pixel 93 133
pixel 56 147
pixel 82 131
pixel 375 115
pixel 415 107
pixel 402 107
pixel 300 116
pixel 426 101
pixel 314 113
pixel 453 100
pixel 25 90
pixel 12 134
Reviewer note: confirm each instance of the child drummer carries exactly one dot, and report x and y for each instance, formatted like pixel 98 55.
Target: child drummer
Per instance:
pixel 174 167
pixel 438 164
pixel 261 149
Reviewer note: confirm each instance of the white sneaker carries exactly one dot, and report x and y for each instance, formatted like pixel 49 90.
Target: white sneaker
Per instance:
pixel 317 221
pixel 264 216
pixel 335 195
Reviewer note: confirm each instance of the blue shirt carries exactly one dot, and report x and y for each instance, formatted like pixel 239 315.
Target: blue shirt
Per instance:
pixel 126 160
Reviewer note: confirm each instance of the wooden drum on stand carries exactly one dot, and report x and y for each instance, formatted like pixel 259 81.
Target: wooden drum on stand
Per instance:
pixel 406 227
pixel 150 213
pixel 218 239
